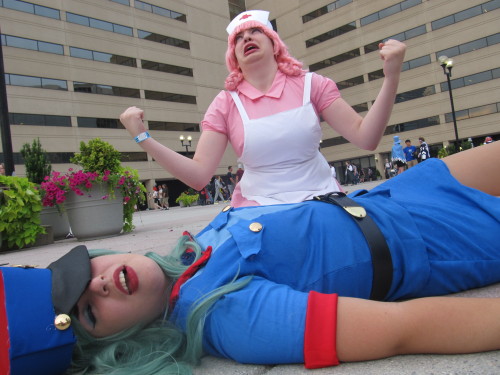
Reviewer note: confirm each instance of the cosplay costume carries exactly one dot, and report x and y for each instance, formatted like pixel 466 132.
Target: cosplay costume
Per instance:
pixel 276 136
pixel 301 256
pixel 397 154
pixel 36 336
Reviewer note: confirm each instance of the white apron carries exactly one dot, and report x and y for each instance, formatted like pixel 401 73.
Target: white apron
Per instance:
pixel 281 155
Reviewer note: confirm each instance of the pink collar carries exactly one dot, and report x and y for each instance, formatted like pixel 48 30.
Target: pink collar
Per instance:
pixel 275 91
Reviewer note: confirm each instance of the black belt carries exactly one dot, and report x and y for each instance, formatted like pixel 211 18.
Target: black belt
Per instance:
pixel 381 256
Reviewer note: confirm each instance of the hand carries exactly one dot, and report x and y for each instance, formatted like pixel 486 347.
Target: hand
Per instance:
pixel 392 52
pixel 133 120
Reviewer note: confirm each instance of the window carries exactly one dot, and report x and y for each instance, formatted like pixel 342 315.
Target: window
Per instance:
pixel 93 88
pixel 133 156
pixel 102 56
pixel 26 7
pixel 415 94
pixel 331 34
pixel 470 46
pixel 124 2
pixel 35 45
pixel 42 120
pixel 174 126
pixel 167 68
pixel 325 10
pixel 419 61
pixel 98 24
pixel 334 60
pixel 372 76
pixel 170 97
pixel 465 14
pixel 158 38
pixel 412 125
pixel 405 35
pixel 36 82
pixel 142 5
pixel 333 142
pixel 389 11
pixel 483 110
pixel 102 123
pixel 350 82
pixel 362 107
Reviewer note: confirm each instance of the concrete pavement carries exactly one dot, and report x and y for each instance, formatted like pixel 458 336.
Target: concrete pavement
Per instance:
pixel 159 230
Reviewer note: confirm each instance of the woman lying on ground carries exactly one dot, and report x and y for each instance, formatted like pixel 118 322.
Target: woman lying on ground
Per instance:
pixel 301 283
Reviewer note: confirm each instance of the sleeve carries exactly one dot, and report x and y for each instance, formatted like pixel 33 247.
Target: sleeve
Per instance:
pixel 269 323
pixel 323 92
pixel 215 117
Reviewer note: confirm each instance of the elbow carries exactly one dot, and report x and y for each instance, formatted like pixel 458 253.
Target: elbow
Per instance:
pixel 199 185
pixel 369 146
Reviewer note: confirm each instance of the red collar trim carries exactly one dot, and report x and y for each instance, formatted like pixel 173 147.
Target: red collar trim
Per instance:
pixel 193 268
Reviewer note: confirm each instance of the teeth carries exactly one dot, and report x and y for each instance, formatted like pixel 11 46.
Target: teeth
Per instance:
pixel 123 281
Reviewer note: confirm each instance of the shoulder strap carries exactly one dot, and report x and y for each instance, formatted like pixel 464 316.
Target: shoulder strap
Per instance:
pixel 307 88
pixel 239 105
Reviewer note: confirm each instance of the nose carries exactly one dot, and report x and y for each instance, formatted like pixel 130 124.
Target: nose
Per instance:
pixel 247 35
pixel 99 285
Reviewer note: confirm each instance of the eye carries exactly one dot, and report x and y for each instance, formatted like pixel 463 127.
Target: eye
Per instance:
pixel 89 315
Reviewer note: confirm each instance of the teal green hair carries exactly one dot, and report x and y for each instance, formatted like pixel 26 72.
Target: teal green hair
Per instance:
pixel 156 348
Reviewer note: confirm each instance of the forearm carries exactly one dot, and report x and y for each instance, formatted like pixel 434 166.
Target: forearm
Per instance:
pixel 372 330
pixel 373 125
pixel 452 325
pixel 190 171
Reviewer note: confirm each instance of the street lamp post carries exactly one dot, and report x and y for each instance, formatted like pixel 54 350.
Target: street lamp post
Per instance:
pixel 187 144
pixel 447 64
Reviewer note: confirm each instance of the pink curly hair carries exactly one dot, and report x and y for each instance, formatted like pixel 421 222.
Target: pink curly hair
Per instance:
pixel 286 63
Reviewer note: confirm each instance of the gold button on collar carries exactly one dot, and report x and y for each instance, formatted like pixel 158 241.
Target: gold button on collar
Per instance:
pixel 62 322
pixel 227 208
pixel 255 227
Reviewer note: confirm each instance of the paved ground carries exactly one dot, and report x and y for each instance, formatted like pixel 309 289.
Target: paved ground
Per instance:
pixel 159 230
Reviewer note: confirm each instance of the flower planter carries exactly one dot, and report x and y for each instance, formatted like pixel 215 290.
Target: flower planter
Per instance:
pixel 57 220
pixel 91 216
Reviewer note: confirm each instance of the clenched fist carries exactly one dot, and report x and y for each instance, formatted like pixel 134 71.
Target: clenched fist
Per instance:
pixel 392 52
pixel 133 120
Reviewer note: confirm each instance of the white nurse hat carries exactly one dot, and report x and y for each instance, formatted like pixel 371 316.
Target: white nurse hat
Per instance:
pixel 261 16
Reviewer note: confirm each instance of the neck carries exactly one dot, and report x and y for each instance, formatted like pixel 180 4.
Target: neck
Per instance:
pixel 261 76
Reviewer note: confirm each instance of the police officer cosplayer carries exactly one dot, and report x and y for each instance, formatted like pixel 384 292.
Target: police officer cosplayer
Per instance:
pixel 291 283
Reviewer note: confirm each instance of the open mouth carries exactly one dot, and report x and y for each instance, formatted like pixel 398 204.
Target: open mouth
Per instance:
pixel 249 48
pixel 126 280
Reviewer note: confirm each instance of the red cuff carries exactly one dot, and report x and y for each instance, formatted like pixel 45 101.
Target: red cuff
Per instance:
pixel 4 332
pixel 320 349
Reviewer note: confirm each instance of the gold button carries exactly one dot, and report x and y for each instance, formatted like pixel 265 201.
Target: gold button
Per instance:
pixel 227 208
pixel 62 322
pixel 255 227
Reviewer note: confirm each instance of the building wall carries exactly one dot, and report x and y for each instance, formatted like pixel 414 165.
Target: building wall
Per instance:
pixel 207 40
pixel 205 32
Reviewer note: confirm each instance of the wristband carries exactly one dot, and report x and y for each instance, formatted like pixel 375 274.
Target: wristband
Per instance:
pixel 142 137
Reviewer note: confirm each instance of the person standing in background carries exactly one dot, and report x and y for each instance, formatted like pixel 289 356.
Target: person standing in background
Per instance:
pixel 410 152
pixel 423 153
